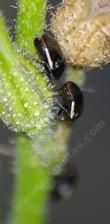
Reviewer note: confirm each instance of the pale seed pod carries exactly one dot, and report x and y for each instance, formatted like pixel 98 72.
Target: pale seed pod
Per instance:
pixel 83 33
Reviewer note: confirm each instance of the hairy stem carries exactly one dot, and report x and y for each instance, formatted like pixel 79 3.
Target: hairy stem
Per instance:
pixel 30 21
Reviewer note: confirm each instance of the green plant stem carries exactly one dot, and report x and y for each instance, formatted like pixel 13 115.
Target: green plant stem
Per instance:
pixel 32 186
pixel 30 21
pixel 37 161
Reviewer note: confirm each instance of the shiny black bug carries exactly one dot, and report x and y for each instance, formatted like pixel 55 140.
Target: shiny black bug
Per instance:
pixel 51 56
pixel 69 101
pixel 64 184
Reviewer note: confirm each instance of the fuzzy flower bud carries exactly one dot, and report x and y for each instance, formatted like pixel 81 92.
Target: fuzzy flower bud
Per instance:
pixel 82 28
pixel 25 99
